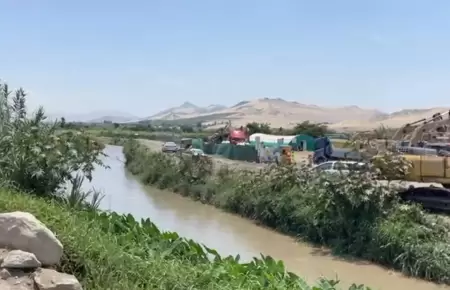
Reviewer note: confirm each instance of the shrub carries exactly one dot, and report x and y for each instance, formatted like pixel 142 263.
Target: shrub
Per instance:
pixel 35 157
pixel 349 213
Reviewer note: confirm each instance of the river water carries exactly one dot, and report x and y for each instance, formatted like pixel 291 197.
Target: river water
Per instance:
pixel 230 234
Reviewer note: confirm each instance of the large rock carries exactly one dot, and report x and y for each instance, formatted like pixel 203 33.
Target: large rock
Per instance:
pixel 18 259
pixel 22 231
pixel 47 279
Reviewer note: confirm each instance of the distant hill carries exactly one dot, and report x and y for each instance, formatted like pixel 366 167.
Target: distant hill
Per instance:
pixel 186 110
pixel 275 111
pixel 95 117
pixel 282 113
pixel 392 120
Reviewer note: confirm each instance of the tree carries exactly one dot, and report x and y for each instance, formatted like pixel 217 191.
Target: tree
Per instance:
pixel 63 122
pixel 199 125
pixel 307 128
pixel 116 125
pixel 187 129
pixel 254 127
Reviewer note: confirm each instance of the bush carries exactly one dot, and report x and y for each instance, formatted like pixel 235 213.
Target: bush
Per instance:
pixel 111 251
pixel 350 213
pixel 35 157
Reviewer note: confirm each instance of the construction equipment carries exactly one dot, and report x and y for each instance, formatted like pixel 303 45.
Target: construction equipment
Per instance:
pixel 426 183
pixel 434 170
pixel 227 133
pixel 424 130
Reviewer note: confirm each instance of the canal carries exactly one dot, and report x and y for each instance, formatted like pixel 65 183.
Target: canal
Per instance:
pixel 232 235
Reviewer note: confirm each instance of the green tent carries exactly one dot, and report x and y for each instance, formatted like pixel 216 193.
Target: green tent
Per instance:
pixel 304 141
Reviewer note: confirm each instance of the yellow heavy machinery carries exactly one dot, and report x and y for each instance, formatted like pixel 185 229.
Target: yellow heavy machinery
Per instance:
pixel 425 143
pixel 429 181
pixel 427 168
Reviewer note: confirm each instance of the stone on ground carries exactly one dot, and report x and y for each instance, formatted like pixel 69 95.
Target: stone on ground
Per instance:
pixel 18 259
pixel 23 231
pixel 47 279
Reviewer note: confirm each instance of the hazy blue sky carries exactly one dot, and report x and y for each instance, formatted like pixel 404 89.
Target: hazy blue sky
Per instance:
pixel 143 56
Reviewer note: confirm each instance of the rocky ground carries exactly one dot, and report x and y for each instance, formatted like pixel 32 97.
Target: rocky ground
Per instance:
pixel 28 253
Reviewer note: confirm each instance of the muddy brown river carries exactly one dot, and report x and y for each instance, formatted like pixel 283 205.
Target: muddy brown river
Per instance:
pixel 232 235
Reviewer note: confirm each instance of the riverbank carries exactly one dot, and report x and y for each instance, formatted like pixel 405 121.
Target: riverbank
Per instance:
pixel 111 251
pixel 343 214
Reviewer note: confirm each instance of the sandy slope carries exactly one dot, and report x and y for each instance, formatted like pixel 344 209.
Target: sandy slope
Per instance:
pixel 282 113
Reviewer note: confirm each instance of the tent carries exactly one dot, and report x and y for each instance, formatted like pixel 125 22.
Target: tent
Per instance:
pixel 303 141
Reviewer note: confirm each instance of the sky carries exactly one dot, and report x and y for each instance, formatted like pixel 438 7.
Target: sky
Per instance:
pixel 143 56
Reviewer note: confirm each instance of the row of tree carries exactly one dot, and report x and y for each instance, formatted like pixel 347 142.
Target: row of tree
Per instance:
pixel 306 127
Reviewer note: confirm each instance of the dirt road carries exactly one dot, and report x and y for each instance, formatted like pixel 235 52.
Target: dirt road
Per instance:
pixel 220 161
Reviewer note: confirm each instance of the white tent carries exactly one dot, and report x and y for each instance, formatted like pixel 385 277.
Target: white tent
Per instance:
pixel 270 139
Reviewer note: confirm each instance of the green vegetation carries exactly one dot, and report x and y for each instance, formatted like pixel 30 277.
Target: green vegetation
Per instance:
pixel 106 250
pixel 110 251
pixel 35 156
pixel 188 121
pixel 158 136
pixel 351 215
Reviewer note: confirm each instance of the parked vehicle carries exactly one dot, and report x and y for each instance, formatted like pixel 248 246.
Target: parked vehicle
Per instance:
pixel 340 166
pixel 169 147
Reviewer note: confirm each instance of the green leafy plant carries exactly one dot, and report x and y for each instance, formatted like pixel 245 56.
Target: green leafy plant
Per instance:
pixel 34 155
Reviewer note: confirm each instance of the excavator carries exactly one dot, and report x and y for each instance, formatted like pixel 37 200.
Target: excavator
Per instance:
pixel 423 129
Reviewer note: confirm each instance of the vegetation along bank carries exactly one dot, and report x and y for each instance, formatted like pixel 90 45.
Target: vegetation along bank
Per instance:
pixel 350 215
pixel 106 250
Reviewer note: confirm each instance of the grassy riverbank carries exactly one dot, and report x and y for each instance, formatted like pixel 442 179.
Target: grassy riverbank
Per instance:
pixel 109 251
pixel 350 215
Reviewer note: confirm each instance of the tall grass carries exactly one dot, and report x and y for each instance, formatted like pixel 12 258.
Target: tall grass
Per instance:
pixel 351 214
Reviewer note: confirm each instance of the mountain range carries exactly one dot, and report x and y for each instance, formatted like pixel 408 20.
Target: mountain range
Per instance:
pixel 281 113
pixel 276 111
pixel 95 117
